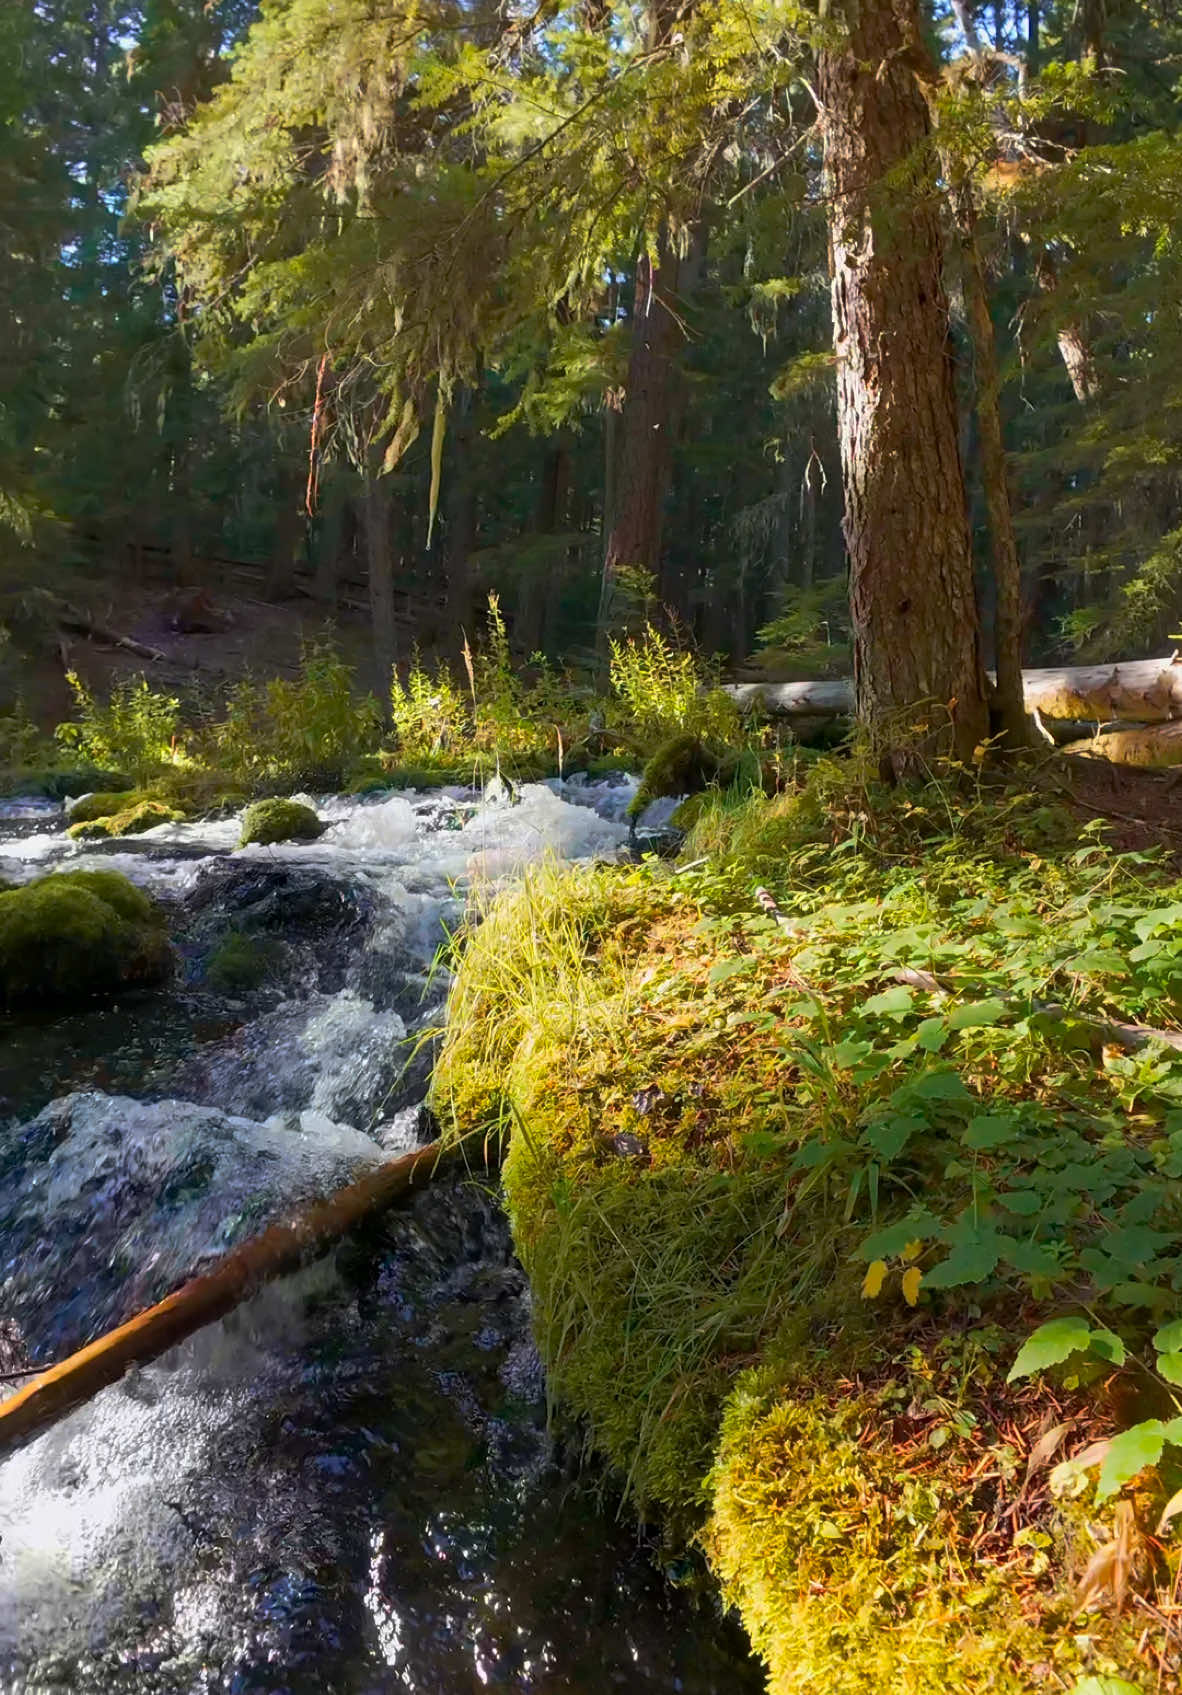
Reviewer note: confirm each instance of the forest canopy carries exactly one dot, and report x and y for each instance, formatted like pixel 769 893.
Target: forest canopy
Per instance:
pixel 442 299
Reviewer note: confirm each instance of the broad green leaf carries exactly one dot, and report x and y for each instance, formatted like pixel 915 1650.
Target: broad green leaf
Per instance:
pixel 932 1034
pixel 1134 1244
pixel 846 1054
pixel 1051 1344
pixel 887 1243
pixel 1168 1339
pixel 724 968
pixel 1025 1202
pixel 1128 1454
pixel 977 1013
pixel 970 1261
pixel 890 1136
pixel 1032 1259
pixel 1170 1367
pixel 895 1003
pixel 990 1130
pixel 933 1086
pixel 1104 1686
pixel 1108 1345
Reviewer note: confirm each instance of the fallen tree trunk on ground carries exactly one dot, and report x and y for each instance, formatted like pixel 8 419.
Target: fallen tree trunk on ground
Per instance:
pixel 280 1249
pixel 1139 691
pixel 81 623
pixel 1156 746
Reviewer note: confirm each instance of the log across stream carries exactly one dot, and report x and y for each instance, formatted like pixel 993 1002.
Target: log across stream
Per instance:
pixel 346 1482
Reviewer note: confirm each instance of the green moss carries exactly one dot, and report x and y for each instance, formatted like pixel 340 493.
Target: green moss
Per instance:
pixel 686 815
pixel 103 804
pixel 73 935
pixel 682 765
pixel 241 962
pixel 197 792
pixel 847 1551
pixel 270 821
pixel 130 820
pixel 685 1180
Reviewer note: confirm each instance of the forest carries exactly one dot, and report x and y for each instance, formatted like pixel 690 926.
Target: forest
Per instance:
pixel 591 846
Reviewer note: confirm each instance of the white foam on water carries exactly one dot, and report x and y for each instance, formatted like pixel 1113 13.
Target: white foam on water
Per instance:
pixel 86 1529
pixel 505 838
pixel 89 1527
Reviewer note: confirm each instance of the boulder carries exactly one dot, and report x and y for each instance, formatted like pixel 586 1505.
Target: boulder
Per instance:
pixel 73 935
pixel 270 821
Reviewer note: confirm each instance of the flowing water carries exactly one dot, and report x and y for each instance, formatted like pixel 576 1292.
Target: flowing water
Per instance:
pixel 348 1484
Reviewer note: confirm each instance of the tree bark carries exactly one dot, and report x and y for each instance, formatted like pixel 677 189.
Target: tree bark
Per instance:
pixel 460 525
pixel 643 462
pixel 288 526
pixel 381 579
pixel 914 612
pixel 1007 571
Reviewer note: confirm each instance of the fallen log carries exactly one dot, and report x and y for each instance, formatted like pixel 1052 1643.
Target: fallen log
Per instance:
pixel 280 1249
pixel 1136 691
pixel 1150 748
pixel 72 618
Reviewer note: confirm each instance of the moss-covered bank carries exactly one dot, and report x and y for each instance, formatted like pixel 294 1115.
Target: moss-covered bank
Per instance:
pixel 791 1186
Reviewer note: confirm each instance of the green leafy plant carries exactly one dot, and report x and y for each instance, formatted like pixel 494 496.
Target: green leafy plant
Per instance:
pixel 137 729
pixel 306 729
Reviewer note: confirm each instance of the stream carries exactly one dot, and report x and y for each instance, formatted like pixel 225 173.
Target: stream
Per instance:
pixel 348 1484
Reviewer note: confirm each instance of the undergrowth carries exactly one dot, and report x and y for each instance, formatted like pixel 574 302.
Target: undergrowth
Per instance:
pixel 317 731
pixel 795 1171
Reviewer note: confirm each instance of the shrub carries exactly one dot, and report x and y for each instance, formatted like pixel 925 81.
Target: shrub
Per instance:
pixel 662 689
pixel 137 730
pixel 305 730
pixel 77 934
pixel 270 821
pixel 429 713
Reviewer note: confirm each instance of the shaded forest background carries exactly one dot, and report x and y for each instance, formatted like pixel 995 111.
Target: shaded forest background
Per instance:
pixel 195 454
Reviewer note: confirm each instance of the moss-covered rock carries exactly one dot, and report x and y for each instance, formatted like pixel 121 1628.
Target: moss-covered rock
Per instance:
pixel 844 1547
pixel 73 935
pixel 270 821
pixel 101 804
pixel 241 962
pixel 687 813
pixel 680 766
pixel 131 820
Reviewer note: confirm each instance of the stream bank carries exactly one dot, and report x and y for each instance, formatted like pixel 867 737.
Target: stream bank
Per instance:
pixel 793 1174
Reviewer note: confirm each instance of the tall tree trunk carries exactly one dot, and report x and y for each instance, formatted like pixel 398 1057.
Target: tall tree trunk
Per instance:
pixel 643 461
pixel 329 538
pixel 459 530
pixel 288 528
pixel 1007 570
pixel 913 608
pixel 380 559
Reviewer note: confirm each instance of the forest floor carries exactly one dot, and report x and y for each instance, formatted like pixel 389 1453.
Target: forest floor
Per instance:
pixel 210 636
pixel 1144 808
